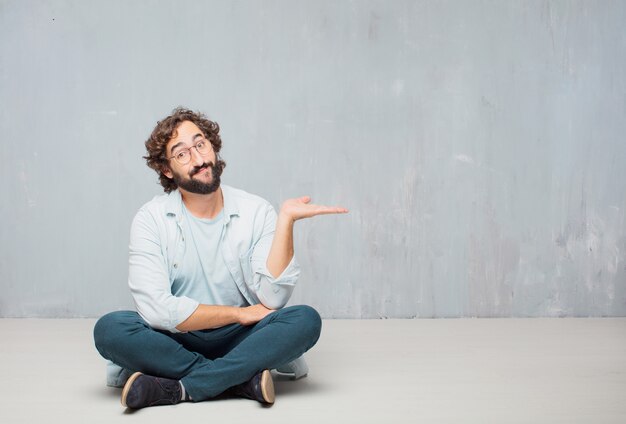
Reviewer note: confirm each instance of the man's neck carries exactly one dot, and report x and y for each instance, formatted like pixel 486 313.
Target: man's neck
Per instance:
pixel 205 206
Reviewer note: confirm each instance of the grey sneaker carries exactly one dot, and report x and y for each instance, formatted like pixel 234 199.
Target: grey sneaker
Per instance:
pixel 259 388
pixel 297 368
pixel 145 390
pixel 116 375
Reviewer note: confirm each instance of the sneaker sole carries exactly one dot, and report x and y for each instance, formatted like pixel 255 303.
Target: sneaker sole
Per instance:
pixel 127 387
pixel 267 387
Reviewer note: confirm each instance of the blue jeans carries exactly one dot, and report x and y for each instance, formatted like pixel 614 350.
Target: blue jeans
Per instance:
pixel 209 361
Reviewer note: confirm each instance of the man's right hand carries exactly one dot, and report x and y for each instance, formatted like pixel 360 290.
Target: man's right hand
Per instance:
pixel 249 315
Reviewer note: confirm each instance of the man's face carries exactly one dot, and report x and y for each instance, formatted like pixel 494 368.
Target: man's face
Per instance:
pixel 199 175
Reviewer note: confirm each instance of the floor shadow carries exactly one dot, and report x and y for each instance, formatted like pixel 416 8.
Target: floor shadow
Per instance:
pixel 286 386
pixel 105 392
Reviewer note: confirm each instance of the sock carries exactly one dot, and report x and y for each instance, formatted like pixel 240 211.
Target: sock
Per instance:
pixel 184 396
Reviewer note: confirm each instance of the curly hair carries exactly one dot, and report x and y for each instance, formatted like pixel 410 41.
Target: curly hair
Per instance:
pixel 166 129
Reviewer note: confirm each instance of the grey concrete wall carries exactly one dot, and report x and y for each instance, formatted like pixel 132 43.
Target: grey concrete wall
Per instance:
pixel 479 145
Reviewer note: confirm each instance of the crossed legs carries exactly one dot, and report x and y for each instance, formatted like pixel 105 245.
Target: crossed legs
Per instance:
pixel 208 362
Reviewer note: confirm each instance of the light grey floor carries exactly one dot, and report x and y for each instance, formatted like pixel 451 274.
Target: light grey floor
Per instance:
pixel 369 371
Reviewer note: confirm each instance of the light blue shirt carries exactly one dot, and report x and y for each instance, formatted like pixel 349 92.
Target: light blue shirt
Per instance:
pixel 211 282
pixel 162 257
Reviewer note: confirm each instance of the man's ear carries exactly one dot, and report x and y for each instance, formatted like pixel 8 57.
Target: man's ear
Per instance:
pixel 167 172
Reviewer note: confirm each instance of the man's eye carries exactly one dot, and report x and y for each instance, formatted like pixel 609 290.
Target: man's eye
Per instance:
pixel 200 144
pixel 181 155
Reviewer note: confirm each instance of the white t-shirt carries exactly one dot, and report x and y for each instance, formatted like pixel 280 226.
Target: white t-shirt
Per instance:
pixel 211 283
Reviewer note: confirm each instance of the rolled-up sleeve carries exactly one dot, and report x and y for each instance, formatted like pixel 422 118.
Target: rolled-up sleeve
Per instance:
pixel 272 292
pixel 148 278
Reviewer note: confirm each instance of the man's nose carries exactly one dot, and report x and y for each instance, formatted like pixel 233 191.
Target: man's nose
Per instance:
pixel 196 158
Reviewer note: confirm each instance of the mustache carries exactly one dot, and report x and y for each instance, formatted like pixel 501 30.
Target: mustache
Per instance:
pixel 196 169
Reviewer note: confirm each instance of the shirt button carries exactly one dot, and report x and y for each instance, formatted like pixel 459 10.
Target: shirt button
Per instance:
pixel 176 265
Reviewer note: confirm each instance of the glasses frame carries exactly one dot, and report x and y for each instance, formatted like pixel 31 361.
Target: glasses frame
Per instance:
pixel 188 149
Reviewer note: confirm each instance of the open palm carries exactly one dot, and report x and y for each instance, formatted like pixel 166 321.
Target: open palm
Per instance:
pixel 301 207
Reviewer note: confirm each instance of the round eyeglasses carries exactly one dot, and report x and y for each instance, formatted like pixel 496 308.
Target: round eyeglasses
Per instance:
pixel 183 156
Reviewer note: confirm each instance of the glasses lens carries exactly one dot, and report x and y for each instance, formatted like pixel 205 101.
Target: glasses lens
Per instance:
pixel 203 147
pixel 183 157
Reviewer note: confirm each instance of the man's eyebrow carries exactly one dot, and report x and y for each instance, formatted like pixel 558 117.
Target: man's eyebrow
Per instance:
pixel 180 143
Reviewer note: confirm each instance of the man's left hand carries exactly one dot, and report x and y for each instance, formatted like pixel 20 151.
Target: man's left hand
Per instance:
pixel 301 207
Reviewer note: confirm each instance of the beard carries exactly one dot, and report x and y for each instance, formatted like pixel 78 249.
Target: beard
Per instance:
pixel 198 187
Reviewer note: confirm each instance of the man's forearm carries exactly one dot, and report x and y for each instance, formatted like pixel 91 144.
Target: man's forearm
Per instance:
pixel 292 210
pixel 281 251
pixel 210 316
pixel 206 317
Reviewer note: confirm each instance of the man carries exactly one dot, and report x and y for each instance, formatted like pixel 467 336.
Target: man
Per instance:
pixel 211 268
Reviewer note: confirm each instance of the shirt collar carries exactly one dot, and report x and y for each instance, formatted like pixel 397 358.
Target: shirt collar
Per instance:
pixel 174 204
pixel 231 208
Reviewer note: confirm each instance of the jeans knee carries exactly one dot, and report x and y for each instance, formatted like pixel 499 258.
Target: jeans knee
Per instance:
pixel 309 322
pixel 109 327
